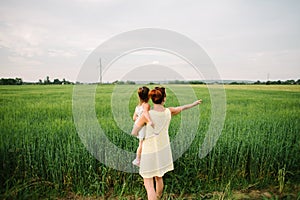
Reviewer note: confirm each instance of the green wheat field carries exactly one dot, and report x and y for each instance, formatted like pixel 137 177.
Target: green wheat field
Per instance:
pixel 42 156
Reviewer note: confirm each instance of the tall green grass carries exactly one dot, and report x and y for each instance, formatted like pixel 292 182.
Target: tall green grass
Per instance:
pixel 42 155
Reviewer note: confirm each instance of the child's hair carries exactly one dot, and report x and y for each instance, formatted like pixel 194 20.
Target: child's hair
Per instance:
pixel 157 95
pixel 143 93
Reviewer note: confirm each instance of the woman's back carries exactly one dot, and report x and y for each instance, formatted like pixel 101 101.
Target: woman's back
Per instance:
pixel 156 156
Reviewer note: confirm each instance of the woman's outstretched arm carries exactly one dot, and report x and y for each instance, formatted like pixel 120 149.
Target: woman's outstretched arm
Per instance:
pixel 177 110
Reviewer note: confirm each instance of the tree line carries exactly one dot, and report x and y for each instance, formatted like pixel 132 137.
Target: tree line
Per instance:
pixel 47 81
pixel 279 82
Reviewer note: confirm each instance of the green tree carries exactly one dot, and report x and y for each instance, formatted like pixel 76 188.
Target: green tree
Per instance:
pixel 57 81
pixel 47 81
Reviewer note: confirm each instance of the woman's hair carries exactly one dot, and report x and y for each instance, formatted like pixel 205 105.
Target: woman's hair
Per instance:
pixel 143 93
pixel 157 95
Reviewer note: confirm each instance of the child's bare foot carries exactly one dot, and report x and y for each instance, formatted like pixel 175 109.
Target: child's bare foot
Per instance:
pixel 136 162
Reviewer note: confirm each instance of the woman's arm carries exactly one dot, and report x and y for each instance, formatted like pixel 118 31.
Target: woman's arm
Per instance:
pixel 146 108
pixel 177 110
pixel 139 125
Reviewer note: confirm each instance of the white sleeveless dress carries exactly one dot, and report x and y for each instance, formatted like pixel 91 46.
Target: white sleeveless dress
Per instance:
pixel 156 158
pixel 139 111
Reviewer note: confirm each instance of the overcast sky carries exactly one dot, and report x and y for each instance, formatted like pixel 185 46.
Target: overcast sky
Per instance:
pixel 246 40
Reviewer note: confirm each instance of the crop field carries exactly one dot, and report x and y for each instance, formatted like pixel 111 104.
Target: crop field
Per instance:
pixel 42 155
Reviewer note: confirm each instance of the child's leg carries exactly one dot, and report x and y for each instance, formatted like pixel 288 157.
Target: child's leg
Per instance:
pixel 139 150
pixel 138 154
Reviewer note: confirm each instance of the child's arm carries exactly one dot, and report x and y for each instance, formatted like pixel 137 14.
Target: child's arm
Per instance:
pixel 146 108
pixel 134 116
pixel 177 110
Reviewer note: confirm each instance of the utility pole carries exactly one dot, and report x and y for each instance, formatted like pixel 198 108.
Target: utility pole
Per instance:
pixel 100 65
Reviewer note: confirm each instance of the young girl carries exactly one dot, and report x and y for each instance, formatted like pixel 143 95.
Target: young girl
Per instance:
pixel 142 108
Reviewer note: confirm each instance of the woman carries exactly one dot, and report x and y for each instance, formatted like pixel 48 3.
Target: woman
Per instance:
pixel 156 158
